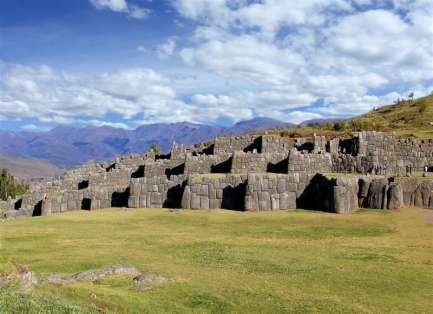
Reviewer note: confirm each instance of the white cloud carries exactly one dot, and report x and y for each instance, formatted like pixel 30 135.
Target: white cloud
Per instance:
pixel 290 60
pixel 133 11
pixel 267 15
pixel 246 57
pixel 137 12
pixel 34 128
pixel 113 5
pixel 301 116
pixel 326 50
pixel 166 49
pixel 65 98
pixel 141 49
pixel 42 92
pixel 99 123
pixel 379 36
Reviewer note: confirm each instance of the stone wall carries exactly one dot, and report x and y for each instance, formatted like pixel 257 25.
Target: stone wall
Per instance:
pixel 334 146
pixel 178 152
pixel 249 162
pixel 309 163
pixel 259 163
pixel 246 173
pixel 215 191
pixel 416 192
pixel 271 192
pixel 320 144
pixel 277 144
pixel 7 205
pixel 157 192
pixel 163 167
pixel 346 163
pixel 345 195
pixel 381 149
pixel 201 164
pixel 230 144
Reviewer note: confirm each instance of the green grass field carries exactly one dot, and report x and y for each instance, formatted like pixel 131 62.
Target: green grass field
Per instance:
pixel 225 261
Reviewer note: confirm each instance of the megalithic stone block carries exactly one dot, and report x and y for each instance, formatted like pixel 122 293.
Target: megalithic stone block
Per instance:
pixel 195 201
pixel 395 196
pixel 186 198
pixel 341 204
pixel 133 202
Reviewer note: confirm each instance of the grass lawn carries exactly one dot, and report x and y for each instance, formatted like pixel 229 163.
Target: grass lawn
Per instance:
pixel 226 261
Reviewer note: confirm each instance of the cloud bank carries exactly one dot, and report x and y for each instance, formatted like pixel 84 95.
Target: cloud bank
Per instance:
pixel 290 60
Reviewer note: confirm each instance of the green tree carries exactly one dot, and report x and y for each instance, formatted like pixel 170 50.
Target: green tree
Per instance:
pixel 9 187
pixel 155 148
pixel 339 126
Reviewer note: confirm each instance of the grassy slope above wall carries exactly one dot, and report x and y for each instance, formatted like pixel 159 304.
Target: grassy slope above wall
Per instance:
pixel 223 261
pixel 409 118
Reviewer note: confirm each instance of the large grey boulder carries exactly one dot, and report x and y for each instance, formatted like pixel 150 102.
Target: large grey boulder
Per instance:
pixel 423 193
pixel 186 198
pixel 341 204
pixel 364 187
pixel 395 196
pixel 345 195
pixel 376 194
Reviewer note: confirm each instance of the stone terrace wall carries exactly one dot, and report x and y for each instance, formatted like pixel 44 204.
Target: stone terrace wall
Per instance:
pixel 133 161
pixel 309 163
pixel 208 164
pixel 215 191
pixel 384 149
pixel 259 163
pixel 276 192
pixel 344 199
pixel 249 162
pixel 119 176
pixel 277 144
pixel 163 167
pixel 346 163
pixel 271 192
pixel 157 192
pixel 224 145
pixel 416 192
pixel 91 186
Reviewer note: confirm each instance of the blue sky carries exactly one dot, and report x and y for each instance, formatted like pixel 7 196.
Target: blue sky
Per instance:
pixel 129 62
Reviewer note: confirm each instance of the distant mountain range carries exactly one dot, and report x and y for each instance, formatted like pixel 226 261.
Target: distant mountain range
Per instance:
pixel 29 168
pixel 70 146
